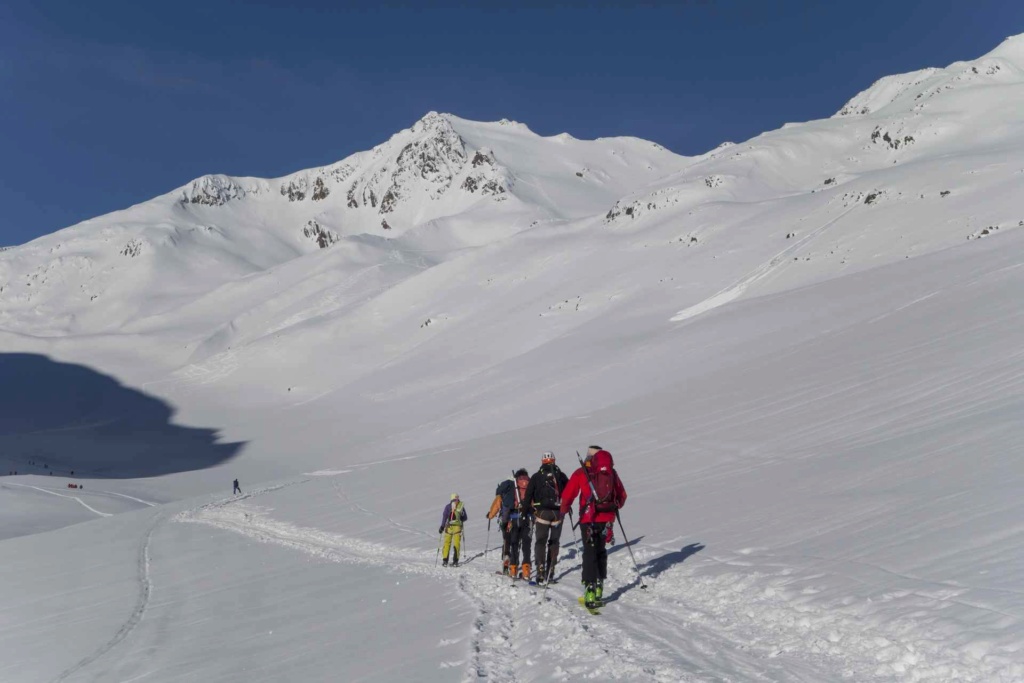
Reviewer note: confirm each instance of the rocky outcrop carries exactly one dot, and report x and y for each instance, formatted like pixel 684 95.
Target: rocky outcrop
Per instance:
pixel 217 190
pixel 319 234
pixel 320 190
pixel 295 190
pixel 132 249
pixel 426 164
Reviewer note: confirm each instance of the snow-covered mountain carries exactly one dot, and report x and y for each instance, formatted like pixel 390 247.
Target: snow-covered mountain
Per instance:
pixel 803 350
pixel 444 183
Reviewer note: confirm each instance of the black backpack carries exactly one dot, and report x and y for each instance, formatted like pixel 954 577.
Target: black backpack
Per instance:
pixel 548 495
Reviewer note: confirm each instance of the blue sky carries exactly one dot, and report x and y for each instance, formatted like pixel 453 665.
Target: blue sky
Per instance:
pixel 108 103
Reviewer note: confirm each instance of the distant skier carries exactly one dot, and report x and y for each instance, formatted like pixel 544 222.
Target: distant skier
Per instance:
pixel 452 518
pixel 544 500
pixel 520 526
pixel 597 513
pixel 238 489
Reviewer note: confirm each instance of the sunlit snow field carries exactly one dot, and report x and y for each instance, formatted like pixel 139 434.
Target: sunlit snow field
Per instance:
pixel 804 356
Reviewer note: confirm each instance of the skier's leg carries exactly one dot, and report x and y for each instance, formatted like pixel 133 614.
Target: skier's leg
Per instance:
pixel 506 546
pixel 527 548
pixel 601 552
pixel 513 547
pixel 447 545
pixel 553 545
pixel 588 533
pixel 540 548
pixel 458 543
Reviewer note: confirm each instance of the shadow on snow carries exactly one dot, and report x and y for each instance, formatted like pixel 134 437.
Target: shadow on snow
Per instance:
pixel 655 567
pixel 61 418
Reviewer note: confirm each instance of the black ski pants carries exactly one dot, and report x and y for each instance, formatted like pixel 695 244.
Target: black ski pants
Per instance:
pixel 595 555
pixel 519 537
pixel 506 542
pixel 548 528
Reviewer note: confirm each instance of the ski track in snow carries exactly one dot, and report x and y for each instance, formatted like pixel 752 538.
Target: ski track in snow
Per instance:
pixel 138 613
pixel 370 513
pixel 736 290
pixel 122 495
pixel 713 624
pixel 64 495
pixel 509 618
pixel 144 581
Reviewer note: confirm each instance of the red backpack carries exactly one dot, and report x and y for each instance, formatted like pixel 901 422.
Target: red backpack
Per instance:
pixel 602 474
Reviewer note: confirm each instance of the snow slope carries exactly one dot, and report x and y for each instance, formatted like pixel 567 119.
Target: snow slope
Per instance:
pixel 800 349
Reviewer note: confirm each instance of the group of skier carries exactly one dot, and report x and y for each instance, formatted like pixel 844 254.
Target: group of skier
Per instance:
pixel 527 506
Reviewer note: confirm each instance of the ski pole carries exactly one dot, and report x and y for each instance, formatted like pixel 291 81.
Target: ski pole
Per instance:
pixel 488 544
pixel 440 539
pixel 630 549
pixel 572 525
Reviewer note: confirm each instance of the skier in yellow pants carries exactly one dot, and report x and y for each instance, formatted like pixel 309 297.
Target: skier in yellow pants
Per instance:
pixel 451 526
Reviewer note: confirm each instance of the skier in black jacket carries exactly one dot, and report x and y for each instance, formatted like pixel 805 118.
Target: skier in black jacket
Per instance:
pixel 544 498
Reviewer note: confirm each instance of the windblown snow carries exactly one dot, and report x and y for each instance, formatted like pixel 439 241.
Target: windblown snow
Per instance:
pixel 803 351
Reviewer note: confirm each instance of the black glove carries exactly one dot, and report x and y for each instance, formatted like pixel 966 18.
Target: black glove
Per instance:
pixel 440 529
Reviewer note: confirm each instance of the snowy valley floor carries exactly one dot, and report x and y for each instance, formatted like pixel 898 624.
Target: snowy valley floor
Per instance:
pixel 829 490
pixel 252 588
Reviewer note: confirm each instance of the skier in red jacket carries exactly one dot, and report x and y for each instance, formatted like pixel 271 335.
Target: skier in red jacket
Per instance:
pixel 596 515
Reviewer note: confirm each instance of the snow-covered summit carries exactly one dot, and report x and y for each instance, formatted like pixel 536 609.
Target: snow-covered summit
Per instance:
pixel 443 165
pixel 458 182
pixel 1000 66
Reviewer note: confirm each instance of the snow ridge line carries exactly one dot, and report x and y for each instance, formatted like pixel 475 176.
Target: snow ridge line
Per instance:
pixel 509 619
pixel 138 613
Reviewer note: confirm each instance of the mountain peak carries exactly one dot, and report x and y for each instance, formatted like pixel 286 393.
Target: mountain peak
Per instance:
pixel 1010 50
pixel 432 121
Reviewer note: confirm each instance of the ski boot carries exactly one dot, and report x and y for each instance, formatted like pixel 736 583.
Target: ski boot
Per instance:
pixel 599 593
pixel 590 597
pixel 541 575
pixel 444 562
pixel 455 561
pixel 525 569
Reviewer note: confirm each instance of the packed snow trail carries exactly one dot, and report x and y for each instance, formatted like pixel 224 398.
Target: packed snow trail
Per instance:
pixel 504 636
pixel 723 621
